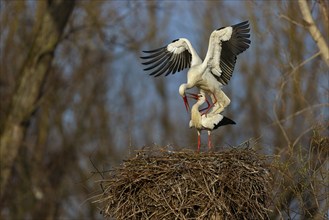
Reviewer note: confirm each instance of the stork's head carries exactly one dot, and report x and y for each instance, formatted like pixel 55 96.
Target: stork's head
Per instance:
pixel 182 89
pixel 199 97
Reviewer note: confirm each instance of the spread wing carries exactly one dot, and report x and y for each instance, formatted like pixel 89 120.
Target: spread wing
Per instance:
pixel 172 58
pixel 224 46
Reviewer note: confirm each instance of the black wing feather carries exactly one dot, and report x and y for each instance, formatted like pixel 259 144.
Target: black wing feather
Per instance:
pixel 171 67
pixel 157 62
pixel 176 61
pixel 238 43
pixel 155 50
pixel 163 69
pixel 160 66
pixel 223 122
pixel 165 61
pixel 153 55
pixel 157 59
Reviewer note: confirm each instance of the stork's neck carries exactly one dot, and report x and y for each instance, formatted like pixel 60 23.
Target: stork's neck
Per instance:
pixel 196 116
pixel 195 57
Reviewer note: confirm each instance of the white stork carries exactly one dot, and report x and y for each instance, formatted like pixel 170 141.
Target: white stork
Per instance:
pixel 206 122
pixel 209 75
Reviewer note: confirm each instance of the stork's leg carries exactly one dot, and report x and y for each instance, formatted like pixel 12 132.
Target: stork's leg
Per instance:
pixel 206 108
pixel 210 106
pixel 222 102
pixel 199 141
pixel 209 140
pixel 214 99
pixel 192 94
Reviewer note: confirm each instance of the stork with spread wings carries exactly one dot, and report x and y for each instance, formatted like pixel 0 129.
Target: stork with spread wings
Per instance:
pixel 209 75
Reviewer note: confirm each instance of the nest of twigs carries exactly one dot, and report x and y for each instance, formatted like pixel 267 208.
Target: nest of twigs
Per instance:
pixel 162 184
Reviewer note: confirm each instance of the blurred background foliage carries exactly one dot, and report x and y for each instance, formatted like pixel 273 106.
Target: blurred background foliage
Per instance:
pixel 95 104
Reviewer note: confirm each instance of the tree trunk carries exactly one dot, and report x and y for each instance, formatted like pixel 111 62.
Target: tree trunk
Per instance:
pixel 31 79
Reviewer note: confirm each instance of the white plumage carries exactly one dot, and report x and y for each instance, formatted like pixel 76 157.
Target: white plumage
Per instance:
pixel 207 122
pixel 209 75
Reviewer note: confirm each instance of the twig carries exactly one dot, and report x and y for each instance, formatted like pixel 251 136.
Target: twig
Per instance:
pixel 290 20
pixel 300 112
pixel 278 96
pixel 301 135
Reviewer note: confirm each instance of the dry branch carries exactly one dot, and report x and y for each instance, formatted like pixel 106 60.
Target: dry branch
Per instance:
pixel 314 31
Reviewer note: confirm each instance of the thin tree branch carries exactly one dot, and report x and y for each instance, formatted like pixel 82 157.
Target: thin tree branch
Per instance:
pixel 278 97
pixel 291 20
pixel 300 112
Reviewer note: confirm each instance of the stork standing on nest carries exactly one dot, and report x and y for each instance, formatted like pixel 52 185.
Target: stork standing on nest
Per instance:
pixel 206 122
pixel 209 75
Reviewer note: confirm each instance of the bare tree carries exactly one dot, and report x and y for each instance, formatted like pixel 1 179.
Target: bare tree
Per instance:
pixel 29 89
pixel 91 104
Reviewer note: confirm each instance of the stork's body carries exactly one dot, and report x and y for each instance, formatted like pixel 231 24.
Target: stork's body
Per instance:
pixel 207 122
pixel 209 75
pixel 207 84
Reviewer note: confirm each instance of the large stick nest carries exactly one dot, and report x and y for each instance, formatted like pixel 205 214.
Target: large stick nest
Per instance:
pixel 159 184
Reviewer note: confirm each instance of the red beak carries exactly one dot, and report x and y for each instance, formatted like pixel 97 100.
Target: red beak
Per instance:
pixel 193 96
pixel 186 103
